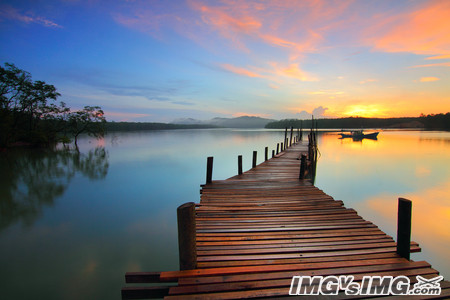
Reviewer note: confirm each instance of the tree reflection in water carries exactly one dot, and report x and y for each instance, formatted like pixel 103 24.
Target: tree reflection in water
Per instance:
pixel 31 179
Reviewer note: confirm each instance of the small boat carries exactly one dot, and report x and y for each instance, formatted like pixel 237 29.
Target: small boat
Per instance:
pixel 359 135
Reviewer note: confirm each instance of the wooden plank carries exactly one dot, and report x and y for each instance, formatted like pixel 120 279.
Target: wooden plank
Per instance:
pixel 170 275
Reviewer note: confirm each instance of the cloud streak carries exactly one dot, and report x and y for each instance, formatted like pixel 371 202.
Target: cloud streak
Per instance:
pixel 9 12
pixel 240 71
pixel 429 79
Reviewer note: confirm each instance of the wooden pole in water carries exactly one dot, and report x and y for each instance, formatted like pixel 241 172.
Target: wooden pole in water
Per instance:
pixel 301 130
pixel 187 246
pixel 282 147
pixel 404 227
pixel 254 159
pixel 302 167
pixel 284 141
pixel 239 164
pixel 292 131
pixel 266 153
pixel 209 169
pixel 273 153
pixel 278 148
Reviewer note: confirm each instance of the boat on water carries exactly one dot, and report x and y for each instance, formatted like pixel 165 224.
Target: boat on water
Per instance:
pixel 359 135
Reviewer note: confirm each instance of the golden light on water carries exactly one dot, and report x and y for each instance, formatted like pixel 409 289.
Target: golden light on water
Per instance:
pixel 373 174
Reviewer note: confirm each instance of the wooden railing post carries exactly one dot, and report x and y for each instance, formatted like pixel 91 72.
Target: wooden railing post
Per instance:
pixel 187 245
pixel 404 227
pixel 239 164
pixel 292 131
pixel 284 141
pixel 254 159
pixel 302 167
pixel 266 153
pixel 209 169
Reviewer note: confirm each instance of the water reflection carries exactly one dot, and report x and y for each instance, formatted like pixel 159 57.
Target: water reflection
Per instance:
pixel 33 179
pixel 370 176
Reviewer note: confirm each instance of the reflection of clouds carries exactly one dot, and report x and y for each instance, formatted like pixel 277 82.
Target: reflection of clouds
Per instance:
pixel 431 210
pixel 422 171
pixel 430 218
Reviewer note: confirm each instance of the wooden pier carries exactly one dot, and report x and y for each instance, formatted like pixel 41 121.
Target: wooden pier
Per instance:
pixel 253 232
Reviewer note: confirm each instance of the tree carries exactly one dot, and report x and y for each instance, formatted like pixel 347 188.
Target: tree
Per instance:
pixel 23 102
pixel 90 120
pixel 28 115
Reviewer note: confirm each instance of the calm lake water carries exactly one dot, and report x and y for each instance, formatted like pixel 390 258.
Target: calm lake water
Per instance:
pixel 72 224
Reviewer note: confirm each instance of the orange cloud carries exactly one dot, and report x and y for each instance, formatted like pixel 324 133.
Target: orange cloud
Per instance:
pixel 274 86
pixel 446 56
pixel 446 64
pixel 293 71
pixel 428 79
pixel 368 80
pixel 240 71
pixel 424 31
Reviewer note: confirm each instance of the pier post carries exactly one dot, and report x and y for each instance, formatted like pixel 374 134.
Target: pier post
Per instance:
pixel 266 153
pixel 302 167
pixel 284 141
pixel 239 164
pixel 273 153
pixel 292 131
pixel 282 149
pixel 278 148
pixel 404 227
pixel 254 159
pixel 209 169
pixel 187 245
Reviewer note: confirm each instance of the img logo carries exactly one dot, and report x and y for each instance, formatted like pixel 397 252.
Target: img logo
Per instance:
pixel 370 285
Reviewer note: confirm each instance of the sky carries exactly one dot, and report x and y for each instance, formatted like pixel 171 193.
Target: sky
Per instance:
pixel 161 60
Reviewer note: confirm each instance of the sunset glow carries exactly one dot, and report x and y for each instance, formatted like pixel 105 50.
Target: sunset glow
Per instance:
pixel 163 60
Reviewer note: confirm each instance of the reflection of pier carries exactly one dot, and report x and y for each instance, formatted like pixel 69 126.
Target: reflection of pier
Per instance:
pixel 250 234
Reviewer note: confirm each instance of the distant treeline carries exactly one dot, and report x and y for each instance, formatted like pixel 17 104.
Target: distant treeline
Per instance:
pixel 439 121
pixel 134 126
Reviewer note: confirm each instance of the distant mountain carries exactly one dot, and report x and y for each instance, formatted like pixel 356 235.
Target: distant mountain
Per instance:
pixel 187 121
pixel 239 122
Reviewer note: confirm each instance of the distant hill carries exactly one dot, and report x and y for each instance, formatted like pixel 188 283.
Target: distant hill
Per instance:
pixel 438 121
pixel 239 122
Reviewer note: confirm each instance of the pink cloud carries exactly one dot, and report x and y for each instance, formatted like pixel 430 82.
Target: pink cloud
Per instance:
pixel 240 71
pixel 425 31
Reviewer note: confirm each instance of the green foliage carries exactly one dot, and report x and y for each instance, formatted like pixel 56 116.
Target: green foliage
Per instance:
pixel 28 114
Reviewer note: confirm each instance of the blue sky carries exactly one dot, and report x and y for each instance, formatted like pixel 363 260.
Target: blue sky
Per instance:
pixel 163 60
